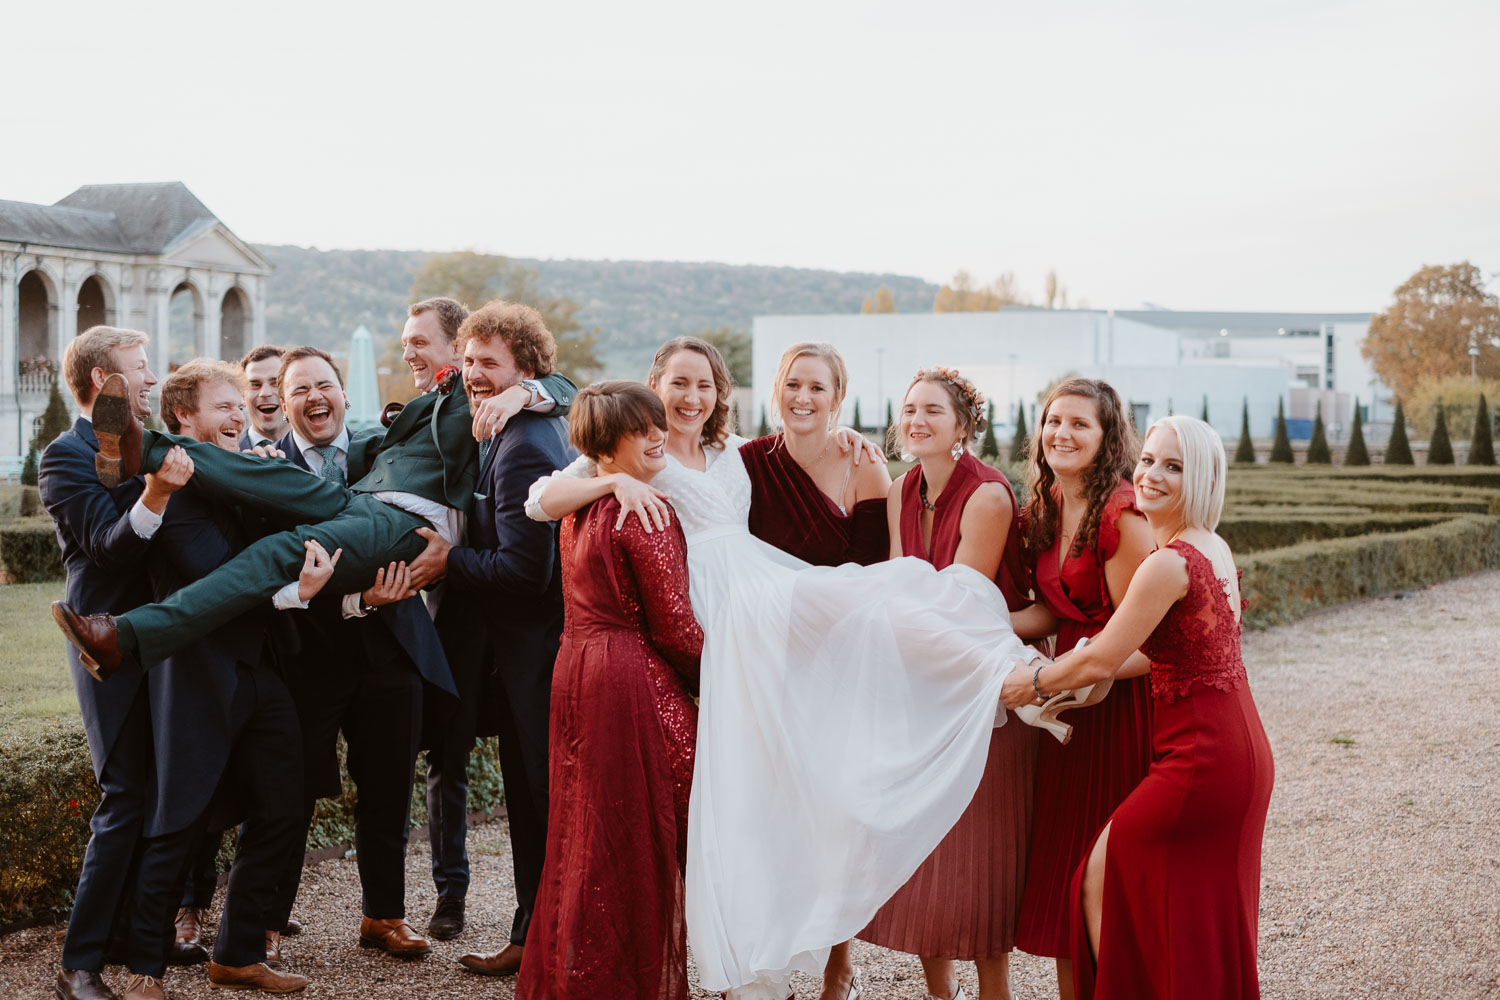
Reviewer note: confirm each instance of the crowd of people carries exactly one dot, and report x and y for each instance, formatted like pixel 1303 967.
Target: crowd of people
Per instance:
pixel 749 695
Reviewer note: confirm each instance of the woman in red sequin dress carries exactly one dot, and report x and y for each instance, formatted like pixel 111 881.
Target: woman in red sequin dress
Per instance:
pixel 961 904
pixel 609 912
pixel 1166 904
pixel 1084 540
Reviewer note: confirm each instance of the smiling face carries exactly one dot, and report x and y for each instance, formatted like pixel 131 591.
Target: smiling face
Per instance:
pixel 807 396
pixel 131 363
pixel 1158 475
pixel 686 388
pixel 314 400
pixel 640 456
pixel 220 417
pixel 425 349
pixel 263 398
pixel 1071 435
pixel 489 369
pixel 929 425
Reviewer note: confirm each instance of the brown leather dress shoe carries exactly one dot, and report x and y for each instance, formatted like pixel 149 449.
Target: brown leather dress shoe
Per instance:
pixel 254 977
pixel 273 949
pixel 187 947
pixel 119 432
pixel 139 987
pixel 80 985
pixel 505 962
pixel 394 937
pixel 293 927
pixel 96 636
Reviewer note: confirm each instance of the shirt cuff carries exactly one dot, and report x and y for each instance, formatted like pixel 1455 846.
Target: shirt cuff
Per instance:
pixel 287 598
pixel 354 606
pixel 143 520
pixel 544 402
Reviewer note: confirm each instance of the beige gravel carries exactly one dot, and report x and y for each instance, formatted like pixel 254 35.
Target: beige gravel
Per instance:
pixel 1382 852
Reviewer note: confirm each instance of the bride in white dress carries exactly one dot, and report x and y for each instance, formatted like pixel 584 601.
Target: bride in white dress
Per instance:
pixel 845 715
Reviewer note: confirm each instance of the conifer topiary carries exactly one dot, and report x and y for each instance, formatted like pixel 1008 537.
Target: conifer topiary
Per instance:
pixel 1317 448
pixel 1281 449
pixel 989 447
pixel 1398 449
pixel 55 419
pixel 1357 454
pixel 1203 416
pixel 890 424
pixel 765 427
pixel 1482 445
pixel 1245 453
pixel 1439 448
pixel 29 467
pixel 1021 443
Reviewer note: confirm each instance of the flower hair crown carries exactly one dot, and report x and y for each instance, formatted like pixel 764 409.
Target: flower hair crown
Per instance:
pixel 967 391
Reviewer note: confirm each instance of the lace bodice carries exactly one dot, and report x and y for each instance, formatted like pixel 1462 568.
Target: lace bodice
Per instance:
pixel 1199 639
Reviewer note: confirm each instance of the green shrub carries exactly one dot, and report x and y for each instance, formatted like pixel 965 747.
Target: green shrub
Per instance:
pixel 988 446
pixel 1317 448
pixel 1482 444
pixel 29 467
pixel 1281 448
pixel 29 552
pixel 1439 448
pixel 1357 454
pixel 31 503
pixel 1246 534
pixel 1245 453
pixel 1021 443
pixel 1398 449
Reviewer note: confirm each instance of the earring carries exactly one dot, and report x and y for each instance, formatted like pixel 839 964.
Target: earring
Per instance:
pixel 958 450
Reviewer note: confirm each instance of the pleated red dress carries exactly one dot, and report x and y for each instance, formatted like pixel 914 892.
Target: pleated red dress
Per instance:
pixel 1182 869
pixel 789 511
pixel 963 900
pixel 609 911
pixel 1080 784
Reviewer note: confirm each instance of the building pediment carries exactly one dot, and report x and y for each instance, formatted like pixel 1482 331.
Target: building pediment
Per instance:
pixel 210 244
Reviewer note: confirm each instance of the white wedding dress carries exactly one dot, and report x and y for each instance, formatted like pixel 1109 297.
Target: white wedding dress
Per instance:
pixel 844 725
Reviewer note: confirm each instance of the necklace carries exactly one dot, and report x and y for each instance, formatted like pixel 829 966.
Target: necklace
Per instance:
pixel 922 492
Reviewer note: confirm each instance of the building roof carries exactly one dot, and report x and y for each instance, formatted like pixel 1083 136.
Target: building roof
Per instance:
pixel 1254 324
pixel 119 218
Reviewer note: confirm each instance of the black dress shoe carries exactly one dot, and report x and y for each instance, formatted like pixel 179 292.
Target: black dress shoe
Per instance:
pixel 79 985
pixel 447 920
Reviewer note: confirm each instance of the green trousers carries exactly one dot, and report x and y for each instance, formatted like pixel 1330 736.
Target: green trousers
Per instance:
pixel 372 535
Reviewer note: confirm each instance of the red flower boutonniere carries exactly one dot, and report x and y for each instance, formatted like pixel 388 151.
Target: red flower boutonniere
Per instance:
pixel 447 378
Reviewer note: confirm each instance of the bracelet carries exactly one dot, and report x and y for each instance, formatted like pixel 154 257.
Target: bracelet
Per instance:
pixel 1035 676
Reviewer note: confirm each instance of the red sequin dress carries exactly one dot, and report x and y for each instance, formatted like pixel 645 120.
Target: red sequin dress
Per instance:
pixel 1080 784
pixel 609 912
pixel 789 511
pixel 1182 869
pixel 963 900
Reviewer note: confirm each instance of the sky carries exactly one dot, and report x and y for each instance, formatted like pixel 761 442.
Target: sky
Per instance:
pixel 1272 155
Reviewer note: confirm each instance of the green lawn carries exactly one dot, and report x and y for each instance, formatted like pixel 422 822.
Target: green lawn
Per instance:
pixel 34 681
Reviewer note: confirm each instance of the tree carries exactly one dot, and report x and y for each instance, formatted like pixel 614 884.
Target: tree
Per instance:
pixel 1203 414
pixel 29 467
pixel 1357 454
pixel 1021 443
pixel 1317 448
pixel 890 423
pixel 476 278
pixel 55 421
pixel 1245 453
pixel 1439 448
pixel 989 447
pixel 961 295
pixel 1054 295
pixel 883 302
pixel 859 424
pixel 734 418
pixel 1482 444
pixel 734 345
pixel 1281 448
pixel 765 426
pixel 1456 394
pixel 1439 314
pixel 1398 449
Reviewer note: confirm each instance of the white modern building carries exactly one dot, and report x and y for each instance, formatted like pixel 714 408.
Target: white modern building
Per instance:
pixel 146 256
pixel 1159 360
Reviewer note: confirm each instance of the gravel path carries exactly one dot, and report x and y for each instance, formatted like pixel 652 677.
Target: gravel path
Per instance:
pixel 1382 853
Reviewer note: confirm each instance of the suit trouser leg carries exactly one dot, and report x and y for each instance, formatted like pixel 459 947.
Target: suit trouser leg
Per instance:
pixel 523 766
pixel 116 831
pixel 271 486
pixel 203 874
pixel 381 728
pixel 448 801
pixel 266 762
pixel 160 879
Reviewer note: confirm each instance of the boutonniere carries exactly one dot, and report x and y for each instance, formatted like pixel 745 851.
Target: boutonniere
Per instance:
pixel 447 378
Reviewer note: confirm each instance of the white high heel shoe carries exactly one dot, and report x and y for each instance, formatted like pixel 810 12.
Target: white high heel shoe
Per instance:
pixel 1044 716
pixel 957 996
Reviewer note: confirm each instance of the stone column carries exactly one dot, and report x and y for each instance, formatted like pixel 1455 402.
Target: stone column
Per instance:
pixel 213 316
pixel 159 314
pixel 10 332
pixel 67 308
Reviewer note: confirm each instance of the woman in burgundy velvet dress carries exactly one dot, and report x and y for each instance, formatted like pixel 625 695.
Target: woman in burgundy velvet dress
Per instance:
pixel 1166 904
pixel 1084 539
pixel 609 912
pixel 962 902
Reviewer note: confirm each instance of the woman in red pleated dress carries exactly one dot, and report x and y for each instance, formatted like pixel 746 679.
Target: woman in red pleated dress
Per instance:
pixel 1084 540
pixel 1166 904
pixel 609 911
pixel 961 904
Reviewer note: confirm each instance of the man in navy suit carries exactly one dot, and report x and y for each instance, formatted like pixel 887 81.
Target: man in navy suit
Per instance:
pixel 511 569
pixel 105 535
pixel 263 409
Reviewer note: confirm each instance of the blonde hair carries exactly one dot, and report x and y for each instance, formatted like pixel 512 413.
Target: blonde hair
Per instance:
pixel 720 423
pixel 1203 470
pixel 811 349
pixel 94 348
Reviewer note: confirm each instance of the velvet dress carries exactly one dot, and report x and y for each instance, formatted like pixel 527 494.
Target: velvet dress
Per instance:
pixel 1182 868
pixel 609 912
pixel 963 901
pixel 1080 784
pixel 789 511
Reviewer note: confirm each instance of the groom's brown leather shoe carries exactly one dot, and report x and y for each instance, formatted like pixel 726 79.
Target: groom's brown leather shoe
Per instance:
pixel 254 977
pixel 505 962
pixel 187 944
pixel 119 433
pixel 96 636
pixel 80 985
pixel 394 937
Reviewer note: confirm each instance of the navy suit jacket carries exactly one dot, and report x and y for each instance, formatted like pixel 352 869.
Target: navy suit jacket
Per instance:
pixel 106 573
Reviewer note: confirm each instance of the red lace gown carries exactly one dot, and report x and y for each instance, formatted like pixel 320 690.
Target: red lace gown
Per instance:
pixel 789 511
pixel 963 900
pixel 609 911
pixel 1080 784
pixel 1182 868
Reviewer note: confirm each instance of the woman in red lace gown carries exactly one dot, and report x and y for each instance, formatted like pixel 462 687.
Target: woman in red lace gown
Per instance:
pixel 609 912
pixel 961 904
pixel 1084 540
pixel 1166 903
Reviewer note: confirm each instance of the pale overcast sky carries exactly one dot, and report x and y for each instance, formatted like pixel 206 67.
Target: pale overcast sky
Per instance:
pixel 1289 154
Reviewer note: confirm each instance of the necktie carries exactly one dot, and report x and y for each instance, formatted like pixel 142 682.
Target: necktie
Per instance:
pixel 330 469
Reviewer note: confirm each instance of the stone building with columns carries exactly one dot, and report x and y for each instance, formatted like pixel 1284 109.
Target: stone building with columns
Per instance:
pixel 146 256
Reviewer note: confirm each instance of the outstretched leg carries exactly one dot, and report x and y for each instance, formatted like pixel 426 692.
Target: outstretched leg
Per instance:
pixel 271 486
pixel 1093 887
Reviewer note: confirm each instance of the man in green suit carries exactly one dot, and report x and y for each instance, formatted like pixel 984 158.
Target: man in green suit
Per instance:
pixel 423 466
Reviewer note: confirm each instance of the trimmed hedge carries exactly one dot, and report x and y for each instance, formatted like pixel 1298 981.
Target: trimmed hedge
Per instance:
pixel 1258 534
pixel 29 551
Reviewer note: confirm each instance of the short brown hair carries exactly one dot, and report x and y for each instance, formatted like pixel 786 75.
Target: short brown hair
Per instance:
pixel 295 354
pixel 522 329
pixel 451 313
pixel 260 353
pixel 94 348
pixel 179 391
pixel 605 412
pixel 720 423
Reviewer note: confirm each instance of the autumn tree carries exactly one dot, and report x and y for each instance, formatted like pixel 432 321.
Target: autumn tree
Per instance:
pixel 1054 295
pixel 883 302
pixel 1439 314
pixel 961 294
pixel 476 278
pixel 734 345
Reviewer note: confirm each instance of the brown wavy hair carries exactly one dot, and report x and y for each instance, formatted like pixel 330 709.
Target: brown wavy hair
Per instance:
pixel 1118 451
pixel 720 423
pixel 963 395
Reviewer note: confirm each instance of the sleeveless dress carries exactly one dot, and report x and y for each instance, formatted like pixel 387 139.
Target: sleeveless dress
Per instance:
pixel 1182 869
pixel 844 725
pixel 962 902
pixel 1080 784
pixel 789 511
pixel 609 912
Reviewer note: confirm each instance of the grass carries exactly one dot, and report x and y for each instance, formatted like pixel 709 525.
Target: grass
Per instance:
pixel 34 681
